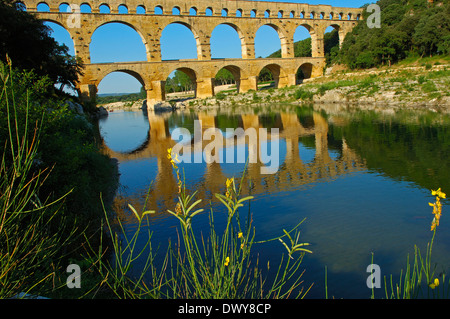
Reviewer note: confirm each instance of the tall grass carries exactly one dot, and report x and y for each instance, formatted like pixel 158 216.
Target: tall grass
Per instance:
pixel 218 265
pixel 28 242
pixel 419 279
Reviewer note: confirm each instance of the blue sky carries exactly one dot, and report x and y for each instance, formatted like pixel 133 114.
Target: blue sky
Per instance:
pixel 116 42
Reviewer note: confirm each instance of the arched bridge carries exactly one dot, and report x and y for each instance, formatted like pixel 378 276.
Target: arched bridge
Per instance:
pixel 149 19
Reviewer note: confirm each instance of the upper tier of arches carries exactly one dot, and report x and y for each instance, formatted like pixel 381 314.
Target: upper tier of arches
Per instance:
pixel 230 8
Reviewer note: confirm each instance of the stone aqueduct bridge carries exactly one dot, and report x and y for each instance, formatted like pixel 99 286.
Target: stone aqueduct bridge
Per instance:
pixel 293 171
pixel 246 17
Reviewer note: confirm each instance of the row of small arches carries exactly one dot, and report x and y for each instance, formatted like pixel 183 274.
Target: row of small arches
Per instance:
pixel 193 11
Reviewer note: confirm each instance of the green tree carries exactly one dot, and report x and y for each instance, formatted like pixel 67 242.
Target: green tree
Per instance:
pixel 408 27
pixel 27 41
pixel 432 33
pixel 181 81
pixel 224 77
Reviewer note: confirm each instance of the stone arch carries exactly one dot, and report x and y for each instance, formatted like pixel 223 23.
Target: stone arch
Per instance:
pixel 64 7
pixel 284 41
pixel 193 11
pixel 65 27
pixel 236 72
pixel 195 34
pixel 276 70
pixel 85 8
pixel 304 71
pixel 176 11
pixel 133 73
pixel 340 31
pixel 238 31
pixel 302 32
pixel 191 73
pixel 44 7
pixel 137 30
pixel 316 39
pixel 104 6
pixel 141 9
pixel 124 8
pixel 158 10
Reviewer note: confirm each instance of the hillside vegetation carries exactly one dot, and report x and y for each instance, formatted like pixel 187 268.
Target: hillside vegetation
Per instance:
pixel 408 28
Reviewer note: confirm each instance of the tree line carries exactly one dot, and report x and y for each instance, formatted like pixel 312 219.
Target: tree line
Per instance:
pixel 408 28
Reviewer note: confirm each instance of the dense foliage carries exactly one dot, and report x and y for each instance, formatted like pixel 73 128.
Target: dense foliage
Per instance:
pixel 29 44
pixel 408 27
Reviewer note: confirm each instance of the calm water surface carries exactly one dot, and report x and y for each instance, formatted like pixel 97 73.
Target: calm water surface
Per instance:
pixel 360 179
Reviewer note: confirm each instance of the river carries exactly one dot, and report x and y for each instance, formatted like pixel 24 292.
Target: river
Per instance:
pixel 360 180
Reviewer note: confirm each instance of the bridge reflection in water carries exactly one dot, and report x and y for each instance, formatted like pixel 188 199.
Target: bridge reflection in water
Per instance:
pixel 293 171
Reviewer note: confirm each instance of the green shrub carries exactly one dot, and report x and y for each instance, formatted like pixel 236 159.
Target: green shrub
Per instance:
pixel 220 96
pixel 429 87
pixel 302 94
pixel 421 79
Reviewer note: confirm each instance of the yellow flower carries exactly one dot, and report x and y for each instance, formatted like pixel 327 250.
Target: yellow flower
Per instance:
pixel 178 209
pixel 434 284
pixel 240 235
pixel 434 224
pixel 227 261
pixel 437 207
pixel 438 193
pixel 229 182
pixel 173 159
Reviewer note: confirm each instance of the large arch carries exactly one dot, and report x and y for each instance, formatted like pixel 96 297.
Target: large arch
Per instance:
pixel 276 71
pixel 304 72
pixel 339 30
pixel 192 74
pixel 136 75
pixel 225 36
pixel 264 48
pixel 124 29
pixel 179 36
pixel 61 33
pixel 303 33
pixel 235 72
